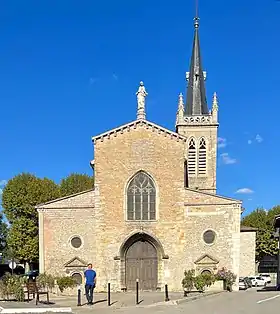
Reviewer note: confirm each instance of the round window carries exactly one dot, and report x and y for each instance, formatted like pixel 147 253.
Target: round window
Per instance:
pixel 76 242
pixel 209 236
pixel 78 278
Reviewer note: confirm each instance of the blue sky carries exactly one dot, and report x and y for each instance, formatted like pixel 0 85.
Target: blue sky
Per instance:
pixel 70 69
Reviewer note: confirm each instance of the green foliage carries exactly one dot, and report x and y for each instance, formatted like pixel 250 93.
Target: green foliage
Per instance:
pixel 65 282
pixel 188 280
pixel 263 221
pixel 199 283
pixel 12 286
pixel 3 237
pixel 45 281
pixel 209 279
pixel 76 183
pixel 20 196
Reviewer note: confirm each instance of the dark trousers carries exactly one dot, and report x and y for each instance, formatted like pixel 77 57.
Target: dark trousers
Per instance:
pixel 89 293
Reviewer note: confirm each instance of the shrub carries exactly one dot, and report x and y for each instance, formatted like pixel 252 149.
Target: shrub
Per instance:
pixel 65 282
pixel 209 279
pixel 199 283
pixel 45 281
pixel 12 285
pixel 188 280
pixel 227 276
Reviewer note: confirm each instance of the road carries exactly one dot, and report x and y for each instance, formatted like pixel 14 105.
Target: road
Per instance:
pixel 250 301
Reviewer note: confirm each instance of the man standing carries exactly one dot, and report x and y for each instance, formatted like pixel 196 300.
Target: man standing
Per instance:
pixel 90 276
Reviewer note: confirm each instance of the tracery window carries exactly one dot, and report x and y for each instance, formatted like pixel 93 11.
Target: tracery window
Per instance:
pixel 192 157
pixel 141 198
pixel 202 157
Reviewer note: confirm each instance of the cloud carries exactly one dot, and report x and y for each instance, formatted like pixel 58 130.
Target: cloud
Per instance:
pixel 244 191
pixel 259 139
pixel 115 77
pixel 222 142
pixel 250 142
pixel 250 199
pixel 227 160
pixel 3 182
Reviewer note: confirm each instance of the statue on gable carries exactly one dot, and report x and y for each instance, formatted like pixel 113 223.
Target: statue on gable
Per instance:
pixel 141 94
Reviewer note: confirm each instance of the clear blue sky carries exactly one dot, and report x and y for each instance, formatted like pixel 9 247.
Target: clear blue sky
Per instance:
pixel 70 69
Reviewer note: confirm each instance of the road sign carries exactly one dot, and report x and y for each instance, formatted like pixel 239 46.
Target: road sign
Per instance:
pixel 12 265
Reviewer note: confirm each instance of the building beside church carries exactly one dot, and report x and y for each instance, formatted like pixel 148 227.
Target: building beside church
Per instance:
pixel 154 211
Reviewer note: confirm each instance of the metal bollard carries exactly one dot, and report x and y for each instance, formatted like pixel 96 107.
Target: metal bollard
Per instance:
pixel 109 294
pixel 137 291
pixel 79 296
pixel 166 293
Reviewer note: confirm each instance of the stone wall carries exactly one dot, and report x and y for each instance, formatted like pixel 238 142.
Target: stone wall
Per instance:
pixel 247 253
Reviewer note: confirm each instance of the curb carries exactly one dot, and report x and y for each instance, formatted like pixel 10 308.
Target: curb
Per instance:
pixel 184 300
pixel 67 310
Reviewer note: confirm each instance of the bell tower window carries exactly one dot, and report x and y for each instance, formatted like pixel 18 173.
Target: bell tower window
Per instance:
pixel 202 157
pixel 192 158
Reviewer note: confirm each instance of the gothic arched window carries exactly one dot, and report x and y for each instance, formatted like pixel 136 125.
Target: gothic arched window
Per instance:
pixel 202 157
pixel 192 157
pixel 141 198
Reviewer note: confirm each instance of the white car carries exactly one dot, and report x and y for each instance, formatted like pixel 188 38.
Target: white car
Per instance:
pixel 257 281
pixel 266 277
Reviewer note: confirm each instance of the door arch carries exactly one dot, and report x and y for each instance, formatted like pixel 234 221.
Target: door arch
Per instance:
pixel 141 262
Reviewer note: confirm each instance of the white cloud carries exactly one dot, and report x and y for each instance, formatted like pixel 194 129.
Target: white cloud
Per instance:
pixel 222 142
pixel 244 191
pixel 227 160
pixel 250 142
pixel 1 191
pixel 3 182
pixel 250 199
pixel 115 77
pixel 259 139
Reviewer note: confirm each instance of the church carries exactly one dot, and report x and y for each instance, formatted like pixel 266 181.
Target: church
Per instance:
pixel 153 212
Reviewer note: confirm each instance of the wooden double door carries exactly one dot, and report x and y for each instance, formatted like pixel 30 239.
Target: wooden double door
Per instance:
pixel 141 263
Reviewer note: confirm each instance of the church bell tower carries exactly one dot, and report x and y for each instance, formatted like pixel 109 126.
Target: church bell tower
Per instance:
pixel 199 124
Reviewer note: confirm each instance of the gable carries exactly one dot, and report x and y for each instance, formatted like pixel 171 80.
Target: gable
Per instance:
pixel 83 199
pixel 206 260
pixel 196 198
pixel 75 262
pixel 136 124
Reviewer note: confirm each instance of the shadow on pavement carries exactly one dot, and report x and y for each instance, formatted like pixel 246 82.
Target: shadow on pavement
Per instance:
pixel 269 288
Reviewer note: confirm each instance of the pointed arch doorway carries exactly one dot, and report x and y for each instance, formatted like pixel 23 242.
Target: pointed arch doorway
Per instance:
pixel 141 262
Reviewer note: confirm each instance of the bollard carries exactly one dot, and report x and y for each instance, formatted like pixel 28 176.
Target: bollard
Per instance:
pixel 137 291
pixel 166 293
pixel 79 296
pixel 109 294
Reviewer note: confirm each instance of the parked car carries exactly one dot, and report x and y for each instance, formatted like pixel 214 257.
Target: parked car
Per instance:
pixel 257 281
pixel 266 277
pixel 242 284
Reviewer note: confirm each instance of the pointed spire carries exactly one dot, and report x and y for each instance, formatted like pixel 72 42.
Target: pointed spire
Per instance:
pixel 141 95
pixel 181 110
pixel 196 103
pixel 215 102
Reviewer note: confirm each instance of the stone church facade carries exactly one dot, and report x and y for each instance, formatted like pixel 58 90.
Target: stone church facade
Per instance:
pixel 153 211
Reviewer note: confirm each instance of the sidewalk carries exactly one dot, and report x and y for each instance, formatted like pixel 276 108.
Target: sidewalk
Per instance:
pixel 120 302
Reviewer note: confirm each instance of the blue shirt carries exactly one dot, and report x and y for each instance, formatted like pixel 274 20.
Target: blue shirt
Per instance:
pixel 90 275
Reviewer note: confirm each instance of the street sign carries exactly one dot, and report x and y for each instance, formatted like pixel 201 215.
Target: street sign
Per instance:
pixel 12 265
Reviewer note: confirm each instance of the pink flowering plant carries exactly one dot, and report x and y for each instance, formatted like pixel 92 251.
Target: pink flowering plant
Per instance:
pixel 227 276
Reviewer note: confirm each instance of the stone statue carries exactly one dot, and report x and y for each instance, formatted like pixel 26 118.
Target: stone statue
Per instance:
pixel 141 94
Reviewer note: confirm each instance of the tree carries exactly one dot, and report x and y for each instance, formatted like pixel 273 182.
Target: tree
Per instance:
pixel 263 221
pixel 20 196
pixel 76 183
pixel 3 237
